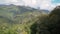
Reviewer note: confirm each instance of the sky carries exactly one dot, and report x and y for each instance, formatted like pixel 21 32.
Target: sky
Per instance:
pixel 43 4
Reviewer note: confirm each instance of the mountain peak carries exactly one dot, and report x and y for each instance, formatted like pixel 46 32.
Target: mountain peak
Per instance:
pixel 58 7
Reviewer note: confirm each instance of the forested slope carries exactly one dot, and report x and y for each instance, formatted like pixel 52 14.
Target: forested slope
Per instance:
pixel 49 24
pixel 18 19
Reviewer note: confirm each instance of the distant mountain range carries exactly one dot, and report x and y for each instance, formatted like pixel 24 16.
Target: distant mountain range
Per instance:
pixel 22 8
pixel 14 13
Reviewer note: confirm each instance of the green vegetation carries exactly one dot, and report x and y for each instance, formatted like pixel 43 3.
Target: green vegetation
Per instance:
pixel 49 24
pixel 18 19
pixel 27 20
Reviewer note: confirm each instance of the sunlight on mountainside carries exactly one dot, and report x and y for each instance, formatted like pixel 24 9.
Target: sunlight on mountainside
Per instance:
pixel 29 17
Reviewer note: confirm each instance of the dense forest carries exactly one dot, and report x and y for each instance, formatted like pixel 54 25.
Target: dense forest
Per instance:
pixel 49 24
pixel 26 20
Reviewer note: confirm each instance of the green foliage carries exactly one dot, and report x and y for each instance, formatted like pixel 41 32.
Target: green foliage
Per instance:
pixel 5 29
pixel 47 24
pixel 40 25
pixel 16 19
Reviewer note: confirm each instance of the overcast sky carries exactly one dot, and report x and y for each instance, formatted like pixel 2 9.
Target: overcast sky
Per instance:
pixel 43 4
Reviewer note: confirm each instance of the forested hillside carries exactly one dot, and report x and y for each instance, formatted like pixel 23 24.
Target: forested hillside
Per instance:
pixel 18 19
pixel 26 20
pixel 49 24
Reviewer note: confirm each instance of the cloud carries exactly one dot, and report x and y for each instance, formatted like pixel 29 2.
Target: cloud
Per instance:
pixel 28 2
pixel 43 4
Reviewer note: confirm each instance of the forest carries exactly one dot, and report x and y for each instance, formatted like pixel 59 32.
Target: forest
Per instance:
pixel 27 20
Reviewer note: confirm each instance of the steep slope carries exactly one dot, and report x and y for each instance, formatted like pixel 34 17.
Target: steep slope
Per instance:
pixel 48 24
pixel 18 13
pixel 18 19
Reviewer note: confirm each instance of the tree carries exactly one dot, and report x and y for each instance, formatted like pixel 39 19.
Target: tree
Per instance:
pixel 48 24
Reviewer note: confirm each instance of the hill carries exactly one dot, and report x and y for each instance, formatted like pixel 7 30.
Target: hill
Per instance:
pixel 18 19
pixel 13 12
pixel 47 24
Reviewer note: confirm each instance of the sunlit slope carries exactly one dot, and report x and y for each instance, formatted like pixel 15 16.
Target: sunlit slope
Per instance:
pixel 18 13
pixel 18 19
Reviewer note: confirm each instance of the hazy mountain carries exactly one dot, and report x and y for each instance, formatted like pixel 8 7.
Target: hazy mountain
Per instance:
pixel 18 19
pixel 19 13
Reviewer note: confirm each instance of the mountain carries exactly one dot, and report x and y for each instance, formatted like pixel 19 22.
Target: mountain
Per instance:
pixel 19 13
pixel 49 24
pixel 46 11
pixel 18 19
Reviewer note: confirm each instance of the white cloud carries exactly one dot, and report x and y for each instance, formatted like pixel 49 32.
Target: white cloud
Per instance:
pixel 43 4
pixel 30 2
